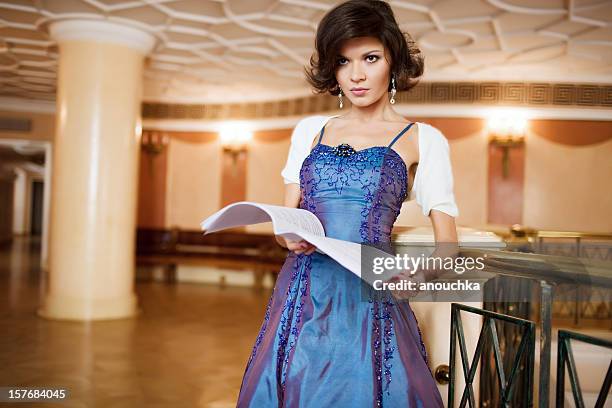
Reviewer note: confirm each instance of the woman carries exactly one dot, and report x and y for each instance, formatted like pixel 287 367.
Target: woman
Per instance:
pixel 323 343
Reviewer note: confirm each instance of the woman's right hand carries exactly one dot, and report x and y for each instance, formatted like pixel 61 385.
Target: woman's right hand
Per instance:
pixel 298 247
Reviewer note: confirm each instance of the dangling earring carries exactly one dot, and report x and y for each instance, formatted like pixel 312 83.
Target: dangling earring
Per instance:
pixel 340 99
pixel 393 90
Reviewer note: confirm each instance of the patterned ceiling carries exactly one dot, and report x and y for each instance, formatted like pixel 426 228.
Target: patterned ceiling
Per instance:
pixel 218 51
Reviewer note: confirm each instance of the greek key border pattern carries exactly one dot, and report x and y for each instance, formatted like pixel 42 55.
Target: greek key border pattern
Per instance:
pixel 482 93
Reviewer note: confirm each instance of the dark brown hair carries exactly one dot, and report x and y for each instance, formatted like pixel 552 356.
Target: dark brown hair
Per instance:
pixel 362 18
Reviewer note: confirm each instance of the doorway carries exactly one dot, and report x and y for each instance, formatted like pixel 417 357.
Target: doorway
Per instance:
pixel 36 208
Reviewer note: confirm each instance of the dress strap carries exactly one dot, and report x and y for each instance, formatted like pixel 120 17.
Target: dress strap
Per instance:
pixel 400 134
pixel 321 134
pixel 323 128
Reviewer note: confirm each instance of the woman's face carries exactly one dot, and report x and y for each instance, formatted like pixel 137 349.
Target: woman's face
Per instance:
pixel 362 65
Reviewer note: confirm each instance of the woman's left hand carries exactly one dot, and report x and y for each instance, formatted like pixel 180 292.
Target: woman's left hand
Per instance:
pixel 307 248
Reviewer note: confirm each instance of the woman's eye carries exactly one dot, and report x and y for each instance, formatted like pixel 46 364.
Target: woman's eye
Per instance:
pixel 369 58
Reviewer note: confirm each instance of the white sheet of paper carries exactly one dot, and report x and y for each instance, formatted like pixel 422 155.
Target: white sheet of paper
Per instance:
pixel 284 219
pixel 292 223
pixel 346 253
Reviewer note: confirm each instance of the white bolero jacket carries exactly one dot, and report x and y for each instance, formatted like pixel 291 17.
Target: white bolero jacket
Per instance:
pixel 433 183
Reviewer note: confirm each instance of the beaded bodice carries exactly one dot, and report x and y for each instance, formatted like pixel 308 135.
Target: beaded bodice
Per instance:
pixel 356 194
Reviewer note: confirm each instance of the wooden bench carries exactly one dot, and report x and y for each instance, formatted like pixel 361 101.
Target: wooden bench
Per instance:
pixel 236 250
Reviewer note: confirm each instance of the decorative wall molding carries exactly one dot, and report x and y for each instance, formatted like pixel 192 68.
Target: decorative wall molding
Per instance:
pixel 439 99
pixel 516 94
pixel 11 104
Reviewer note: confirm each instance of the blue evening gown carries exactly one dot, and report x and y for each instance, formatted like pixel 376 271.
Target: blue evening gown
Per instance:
pixel 326 339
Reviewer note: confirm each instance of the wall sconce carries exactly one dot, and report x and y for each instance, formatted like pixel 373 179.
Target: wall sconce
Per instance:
pixel 506 130
pixel 154 142
pixel 235 138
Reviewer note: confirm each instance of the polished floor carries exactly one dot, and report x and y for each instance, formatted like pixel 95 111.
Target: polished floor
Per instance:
pixel 187 348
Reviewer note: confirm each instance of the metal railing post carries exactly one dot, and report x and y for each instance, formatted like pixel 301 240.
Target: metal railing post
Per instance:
pixel 545 341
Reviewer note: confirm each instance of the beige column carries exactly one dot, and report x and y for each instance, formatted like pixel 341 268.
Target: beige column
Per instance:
pixel 95 163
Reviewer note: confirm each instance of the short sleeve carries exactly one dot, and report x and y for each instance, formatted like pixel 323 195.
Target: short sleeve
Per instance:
pixel 301 140
pixel 433 183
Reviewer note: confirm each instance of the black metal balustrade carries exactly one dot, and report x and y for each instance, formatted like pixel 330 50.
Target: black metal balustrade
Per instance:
pixel 547 272
pixel 565 358
pixel 522 365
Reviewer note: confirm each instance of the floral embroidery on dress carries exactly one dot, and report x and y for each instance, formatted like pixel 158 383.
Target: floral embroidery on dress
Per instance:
pixel 336 171
pixel 291 314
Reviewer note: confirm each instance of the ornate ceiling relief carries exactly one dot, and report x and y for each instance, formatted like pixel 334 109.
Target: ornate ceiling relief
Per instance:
pixel 216 53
